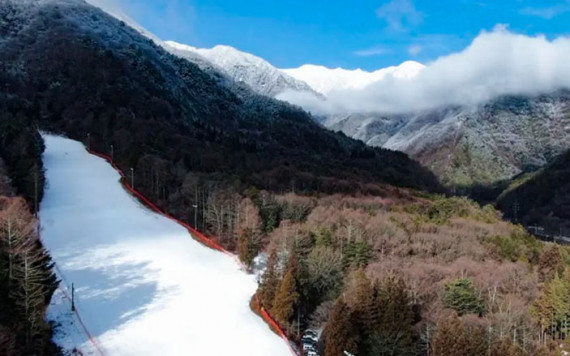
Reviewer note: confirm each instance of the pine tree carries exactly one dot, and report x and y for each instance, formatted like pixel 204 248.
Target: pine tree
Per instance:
pixel 366 311
pixel 393 331
pixel 285 300
pixel 552 308
pixel 461 296
pixel 270 281
pixel 248 246
pixel 340 332
pixel 365 306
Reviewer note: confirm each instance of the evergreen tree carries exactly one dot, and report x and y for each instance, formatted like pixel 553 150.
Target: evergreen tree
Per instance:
pixel 393 331
pixel 283 307
pixel 248 246
pixel 269 282
pixel 461 296
pixel 366 311
pixel 552 308
pixel 365 306
pixel 340 332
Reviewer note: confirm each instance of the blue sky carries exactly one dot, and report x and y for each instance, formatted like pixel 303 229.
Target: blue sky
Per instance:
pixel 351 34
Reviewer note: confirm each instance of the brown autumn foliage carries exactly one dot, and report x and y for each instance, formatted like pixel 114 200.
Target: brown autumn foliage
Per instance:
pixel 26 282
pixel 426 242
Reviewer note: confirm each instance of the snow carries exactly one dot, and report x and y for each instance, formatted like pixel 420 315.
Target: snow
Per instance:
pixel 143 285
pixel 325 80
pixel 243 67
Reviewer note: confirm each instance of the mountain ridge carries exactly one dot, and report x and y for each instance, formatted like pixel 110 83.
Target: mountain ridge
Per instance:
pixel 464 145
pixel 244 67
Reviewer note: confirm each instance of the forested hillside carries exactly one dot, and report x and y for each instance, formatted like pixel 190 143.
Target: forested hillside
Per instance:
pixel 541 199
pixel 408 275
pixel 26 278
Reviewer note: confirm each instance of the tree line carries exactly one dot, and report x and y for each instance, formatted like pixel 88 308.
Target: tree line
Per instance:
pixel 27 280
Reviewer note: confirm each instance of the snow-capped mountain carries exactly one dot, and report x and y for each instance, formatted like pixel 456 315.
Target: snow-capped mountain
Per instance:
pixel 243 67
pixel 467 145
pixel 325 80
pixel 463 145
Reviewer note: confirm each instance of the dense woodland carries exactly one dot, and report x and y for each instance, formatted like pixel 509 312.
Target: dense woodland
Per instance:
pixel 408 274
pixel 542 198
pixel 27 281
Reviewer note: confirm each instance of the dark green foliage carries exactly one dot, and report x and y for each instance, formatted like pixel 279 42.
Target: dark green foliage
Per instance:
pixel 248 246
pixel 519 245
pixel 543 200
pixel 383 317
pixel 295 212
pixel 552 308
pixel 324 238
pixel 443 209
pixel 325 274
pixel 269 211
pixel 393 333
pixel 461 296
pixel 357 254
pixel 21 148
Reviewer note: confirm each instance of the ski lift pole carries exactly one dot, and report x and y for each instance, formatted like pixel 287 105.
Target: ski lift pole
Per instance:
pixel 72 297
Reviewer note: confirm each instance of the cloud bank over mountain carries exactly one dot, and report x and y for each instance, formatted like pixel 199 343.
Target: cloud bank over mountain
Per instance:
pixel 496 63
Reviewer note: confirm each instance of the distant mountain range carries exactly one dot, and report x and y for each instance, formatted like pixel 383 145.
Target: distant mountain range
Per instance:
pixel 463 145
pixel 470 145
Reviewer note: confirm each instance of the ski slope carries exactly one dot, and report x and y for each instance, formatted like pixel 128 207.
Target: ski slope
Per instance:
pixel 143 285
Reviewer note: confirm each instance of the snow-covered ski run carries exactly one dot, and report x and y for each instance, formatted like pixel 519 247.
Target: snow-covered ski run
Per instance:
pixel 143 286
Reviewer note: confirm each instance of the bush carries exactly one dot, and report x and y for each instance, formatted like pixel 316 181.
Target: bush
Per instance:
pixel 518 246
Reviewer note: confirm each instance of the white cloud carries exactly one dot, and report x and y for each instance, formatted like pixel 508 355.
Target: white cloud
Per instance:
pixel 374 51
pixel 547 12
pixel 496 63
pixel 414 50
pixel 400 14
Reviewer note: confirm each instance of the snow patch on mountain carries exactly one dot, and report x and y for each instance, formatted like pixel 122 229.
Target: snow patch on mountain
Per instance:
pixel 471 144
pixel 243 67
